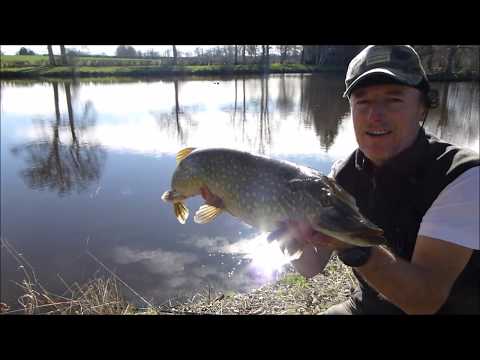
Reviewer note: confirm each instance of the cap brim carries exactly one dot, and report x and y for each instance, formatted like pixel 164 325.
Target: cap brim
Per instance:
pixel 397 76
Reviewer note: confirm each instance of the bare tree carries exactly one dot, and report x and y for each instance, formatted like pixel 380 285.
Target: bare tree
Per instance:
pixel 451 60
pixel 64 55
pixel 283 52
pixel 252 50
pixel 174 48
pixel 51 58
pixel 243 54
pixel 265 57
pixel 236 54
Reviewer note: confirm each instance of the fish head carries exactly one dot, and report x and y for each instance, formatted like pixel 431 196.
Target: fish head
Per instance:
pixel 186 180
pixel 185 183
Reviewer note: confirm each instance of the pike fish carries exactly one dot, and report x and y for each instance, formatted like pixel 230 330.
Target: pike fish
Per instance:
pixel 266 193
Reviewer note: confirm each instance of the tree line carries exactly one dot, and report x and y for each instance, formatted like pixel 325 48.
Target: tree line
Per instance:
pixel 336 56
pixel 225 54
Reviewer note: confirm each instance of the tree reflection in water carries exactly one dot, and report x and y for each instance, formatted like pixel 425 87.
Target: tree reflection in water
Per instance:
pixel 58 165
pixel 323 106
pixel 456 119
pixel 178 121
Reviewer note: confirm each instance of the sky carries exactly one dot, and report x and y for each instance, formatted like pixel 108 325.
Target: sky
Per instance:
pixel 99 49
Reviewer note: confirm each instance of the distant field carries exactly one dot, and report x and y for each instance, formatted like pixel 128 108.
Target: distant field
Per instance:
pixel 36 66
pixel 9 61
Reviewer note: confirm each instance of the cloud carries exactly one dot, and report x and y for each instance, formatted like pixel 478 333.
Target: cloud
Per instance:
pixel 156 261
pixel 213 244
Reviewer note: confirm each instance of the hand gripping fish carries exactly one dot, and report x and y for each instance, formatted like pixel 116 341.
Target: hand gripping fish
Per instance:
pixel 266 193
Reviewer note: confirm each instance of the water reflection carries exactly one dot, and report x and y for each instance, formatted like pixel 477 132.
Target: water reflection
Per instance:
pixel 324 107
pixel 62 164
pixel 457 118
pixel 60 143
pixel 178 121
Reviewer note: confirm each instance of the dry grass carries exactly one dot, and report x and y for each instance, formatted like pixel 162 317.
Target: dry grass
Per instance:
pixel 101 295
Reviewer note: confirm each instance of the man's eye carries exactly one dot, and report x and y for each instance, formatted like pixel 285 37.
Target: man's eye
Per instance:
pixel 396 99
pixel 362 102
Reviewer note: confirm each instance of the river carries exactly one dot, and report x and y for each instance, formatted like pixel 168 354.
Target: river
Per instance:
pixel 84 164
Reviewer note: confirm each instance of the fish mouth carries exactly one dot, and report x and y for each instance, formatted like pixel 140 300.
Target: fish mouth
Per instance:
pixel 172 196
pixel 378 133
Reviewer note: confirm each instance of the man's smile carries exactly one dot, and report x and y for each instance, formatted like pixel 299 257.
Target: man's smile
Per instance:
pixel 378 132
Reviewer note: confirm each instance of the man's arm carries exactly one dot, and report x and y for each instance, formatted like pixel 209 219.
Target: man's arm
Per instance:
pixel 422 285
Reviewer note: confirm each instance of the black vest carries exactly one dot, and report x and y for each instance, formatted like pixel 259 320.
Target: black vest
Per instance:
pixel 396 196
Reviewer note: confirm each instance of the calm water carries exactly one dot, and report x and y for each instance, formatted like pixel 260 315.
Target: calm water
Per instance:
pixel 83 166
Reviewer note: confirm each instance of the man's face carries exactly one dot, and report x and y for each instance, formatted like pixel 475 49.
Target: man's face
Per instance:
pixel 386 119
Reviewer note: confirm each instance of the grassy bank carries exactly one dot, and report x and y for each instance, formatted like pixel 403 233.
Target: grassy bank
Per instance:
pixel 37 66
pixel 148 71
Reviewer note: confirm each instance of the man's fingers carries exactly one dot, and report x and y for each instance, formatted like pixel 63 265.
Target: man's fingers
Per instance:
pixel 276 234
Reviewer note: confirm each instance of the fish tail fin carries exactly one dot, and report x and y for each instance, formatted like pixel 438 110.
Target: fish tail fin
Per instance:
pixel 181 212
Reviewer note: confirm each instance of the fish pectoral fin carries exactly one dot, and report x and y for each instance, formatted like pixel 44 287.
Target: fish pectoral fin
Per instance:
pixel 181 212
pixel 206 213
pixel 182 154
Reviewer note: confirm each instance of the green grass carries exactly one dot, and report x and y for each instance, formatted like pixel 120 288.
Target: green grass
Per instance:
pixel 12 61
pixel 37 66
pixel 294 280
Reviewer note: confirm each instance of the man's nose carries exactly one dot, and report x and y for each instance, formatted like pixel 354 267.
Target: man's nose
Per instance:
pixel 376 111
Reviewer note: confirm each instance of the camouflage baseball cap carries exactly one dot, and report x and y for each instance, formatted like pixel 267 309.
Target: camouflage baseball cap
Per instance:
pixel 396 63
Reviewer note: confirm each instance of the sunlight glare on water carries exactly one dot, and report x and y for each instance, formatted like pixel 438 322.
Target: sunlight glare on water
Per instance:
pixel 266 258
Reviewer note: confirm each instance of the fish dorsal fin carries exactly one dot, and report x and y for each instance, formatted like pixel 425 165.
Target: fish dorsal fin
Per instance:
pixel 340 192
pixel 182 154
pixel 206 213
pixel 181 212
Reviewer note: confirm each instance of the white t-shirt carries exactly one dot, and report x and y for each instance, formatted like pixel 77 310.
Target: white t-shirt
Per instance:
pixel 454 215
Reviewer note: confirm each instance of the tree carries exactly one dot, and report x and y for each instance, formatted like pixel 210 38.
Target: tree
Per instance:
pixel 174 48
pixel 64 55
pixel 451 60
pixel 252 50
pixel 236 55
pixel 125 51
pixel 50 55
pixel 152 54
pixel 25 51
pixel 265 57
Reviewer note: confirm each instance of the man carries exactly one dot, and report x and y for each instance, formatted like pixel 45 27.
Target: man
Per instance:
pixel 421 191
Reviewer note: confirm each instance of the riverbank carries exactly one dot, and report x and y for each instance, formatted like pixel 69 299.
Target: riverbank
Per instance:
pixel 291 294
pixel 38 72
pixel 162 71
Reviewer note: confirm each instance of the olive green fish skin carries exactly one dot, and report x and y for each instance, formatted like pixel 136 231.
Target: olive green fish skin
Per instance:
pixel 265 192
